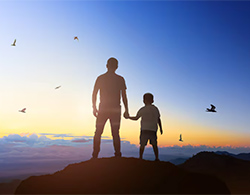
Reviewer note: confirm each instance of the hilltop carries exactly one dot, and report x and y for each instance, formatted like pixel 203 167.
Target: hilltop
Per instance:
pixel 242 156
pixel 123 176
pixel 233 171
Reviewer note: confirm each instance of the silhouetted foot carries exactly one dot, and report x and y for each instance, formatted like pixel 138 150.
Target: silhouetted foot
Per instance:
pixel 157 159
pixel 93 158
pixel 118 155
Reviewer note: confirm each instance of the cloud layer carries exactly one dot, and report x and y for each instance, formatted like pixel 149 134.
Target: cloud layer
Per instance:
pixel 34 154
pixel 34 140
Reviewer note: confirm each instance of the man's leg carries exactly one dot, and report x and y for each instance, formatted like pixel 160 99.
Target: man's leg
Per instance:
pixel 100 122
pixel 141 151
pixel 115 126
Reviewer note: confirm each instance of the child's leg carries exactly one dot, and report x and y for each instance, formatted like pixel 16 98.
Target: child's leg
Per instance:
pixel 156 152
pixel 143 142
pixel 153 142
pixel 141 151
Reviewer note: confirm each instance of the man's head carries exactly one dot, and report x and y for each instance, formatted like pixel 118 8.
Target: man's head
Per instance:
pixel 112 64
pixel 148 98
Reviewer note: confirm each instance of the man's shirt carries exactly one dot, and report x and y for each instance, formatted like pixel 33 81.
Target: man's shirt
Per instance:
pixel 110 86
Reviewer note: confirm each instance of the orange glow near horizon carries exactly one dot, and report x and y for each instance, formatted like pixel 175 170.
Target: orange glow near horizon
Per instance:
pixel 130 130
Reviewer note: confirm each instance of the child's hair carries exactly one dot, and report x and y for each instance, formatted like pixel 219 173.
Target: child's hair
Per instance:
pixel 148 97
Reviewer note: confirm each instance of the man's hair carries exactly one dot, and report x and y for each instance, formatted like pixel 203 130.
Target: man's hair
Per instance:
pixel 112 63
pixel 148 97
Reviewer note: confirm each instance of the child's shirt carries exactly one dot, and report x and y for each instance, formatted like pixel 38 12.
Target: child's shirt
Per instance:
pixel 149 117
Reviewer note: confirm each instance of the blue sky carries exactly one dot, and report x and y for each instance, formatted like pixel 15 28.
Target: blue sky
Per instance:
pixel 187 53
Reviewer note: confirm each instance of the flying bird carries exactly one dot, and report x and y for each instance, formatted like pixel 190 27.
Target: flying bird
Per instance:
pixel 23 110
pixel 212 109
pixel 14 43
pixel 58 87
pixel 180 138
pixel 76 38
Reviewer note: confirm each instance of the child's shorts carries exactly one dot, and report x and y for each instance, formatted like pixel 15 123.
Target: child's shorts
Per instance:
pixel 148 135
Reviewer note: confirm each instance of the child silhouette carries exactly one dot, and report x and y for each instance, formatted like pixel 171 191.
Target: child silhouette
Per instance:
pixel 150 119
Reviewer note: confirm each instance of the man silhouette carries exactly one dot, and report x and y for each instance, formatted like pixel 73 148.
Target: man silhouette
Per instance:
pixel 111 87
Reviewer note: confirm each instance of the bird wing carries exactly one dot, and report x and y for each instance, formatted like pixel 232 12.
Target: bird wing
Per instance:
pixel 23 110
pixel 212 106
pixel 14 41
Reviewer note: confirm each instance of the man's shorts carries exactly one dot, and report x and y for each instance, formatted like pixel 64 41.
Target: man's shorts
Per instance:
pixel 148 135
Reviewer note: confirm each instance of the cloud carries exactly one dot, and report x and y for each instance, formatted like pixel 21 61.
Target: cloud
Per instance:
pixel 70 135
pixel 28 140
pixel 16 161
pixel 30 153
pixel 80 140
pixel 33 140
pixel 58 135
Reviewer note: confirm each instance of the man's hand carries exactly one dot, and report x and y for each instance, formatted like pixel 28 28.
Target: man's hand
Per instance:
pixel 95 112
pixel 161 131
pixel 126 115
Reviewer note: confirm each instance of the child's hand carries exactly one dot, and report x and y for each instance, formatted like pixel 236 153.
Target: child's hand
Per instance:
pixel 161 131
pixel 126 115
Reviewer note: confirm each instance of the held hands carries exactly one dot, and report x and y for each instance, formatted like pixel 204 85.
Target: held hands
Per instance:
pixel 126 115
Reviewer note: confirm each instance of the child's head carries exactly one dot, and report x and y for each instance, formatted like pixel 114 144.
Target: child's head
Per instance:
pixel 148 98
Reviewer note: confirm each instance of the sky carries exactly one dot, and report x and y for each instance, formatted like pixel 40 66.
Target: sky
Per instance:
pixel 188 54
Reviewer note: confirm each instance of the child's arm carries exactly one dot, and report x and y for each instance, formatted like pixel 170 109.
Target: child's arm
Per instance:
pixel 159 123
pixel 135 118
pixel 131 117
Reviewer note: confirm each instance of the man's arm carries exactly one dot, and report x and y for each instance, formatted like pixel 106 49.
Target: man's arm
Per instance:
pixel 125 102
pixel 94 95
pixel 159 123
